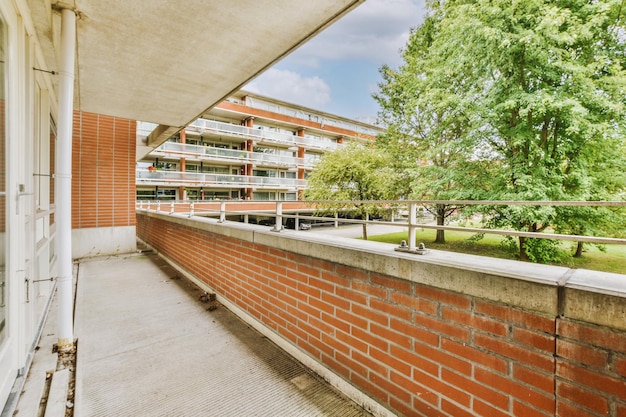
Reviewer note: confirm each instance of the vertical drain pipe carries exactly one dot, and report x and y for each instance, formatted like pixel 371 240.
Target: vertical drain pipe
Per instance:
pixel 63 181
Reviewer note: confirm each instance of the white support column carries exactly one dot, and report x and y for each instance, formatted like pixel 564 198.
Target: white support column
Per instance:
pixel 63 181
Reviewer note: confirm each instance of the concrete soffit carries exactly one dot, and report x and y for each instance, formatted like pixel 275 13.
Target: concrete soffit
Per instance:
pixel 167 62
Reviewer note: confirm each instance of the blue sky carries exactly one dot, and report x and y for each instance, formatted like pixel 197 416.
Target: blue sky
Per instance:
pixel 337 71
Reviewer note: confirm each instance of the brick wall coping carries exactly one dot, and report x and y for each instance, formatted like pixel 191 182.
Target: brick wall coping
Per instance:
pixel 592 296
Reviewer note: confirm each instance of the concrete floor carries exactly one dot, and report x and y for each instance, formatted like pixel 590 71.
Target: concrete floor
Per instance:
pixel 148 346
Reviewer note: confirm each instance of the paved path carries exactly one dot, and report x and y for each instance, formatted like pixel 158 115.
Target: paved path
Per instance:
pixel 356 230
pixel 149 347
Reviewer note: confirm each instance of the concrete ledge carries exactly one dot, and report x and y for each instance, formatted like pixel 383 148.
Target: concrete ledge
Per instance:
pixel 57 398
pixel 596 297
pixel 599 282
pixel 235 230
pixel 595 308
pixel 524 285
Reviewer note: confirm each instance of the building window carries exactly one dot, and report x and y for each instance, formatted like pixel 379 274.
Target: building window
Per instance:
pixel 193 194
pixel 216 195
pixel 264 173
pixel 166 166
pixel 166 194
pixel 263 195
pixel 311 158
pixel 215 170
pixel 156 194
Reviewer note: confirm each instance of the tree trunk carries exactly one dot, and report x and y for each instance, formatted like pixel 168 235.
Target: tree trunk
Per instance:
pixel 441 219
pixel 579 250
pixel 523 256
pixel 364 231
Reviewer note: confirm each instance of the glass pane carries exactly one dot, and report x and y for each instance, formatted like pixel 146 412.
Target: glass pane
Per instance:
pixel 3 226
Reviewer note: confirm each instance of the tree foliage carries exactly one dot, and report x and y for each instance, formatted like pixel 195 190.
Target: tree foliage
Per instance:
pixel 427 127
pixel 535 91
pixel 350 176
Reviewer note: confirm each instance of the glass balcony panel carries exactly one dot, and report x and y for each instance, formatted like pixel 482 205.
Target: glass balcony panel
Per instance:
pixel 225 153
pixel 274 160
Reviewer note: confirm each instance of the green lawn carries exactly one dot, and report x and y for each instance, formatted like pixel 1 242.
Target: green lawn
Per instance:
pixel 613 259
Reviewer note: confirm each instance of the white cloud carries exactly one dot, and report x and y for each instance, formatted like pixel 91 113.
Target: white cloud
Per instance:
pixel 376 31
pixel 292 87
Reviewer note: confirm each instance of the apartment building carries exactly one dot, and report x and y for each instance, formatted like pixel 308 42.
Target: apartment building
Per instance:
pixel 247 147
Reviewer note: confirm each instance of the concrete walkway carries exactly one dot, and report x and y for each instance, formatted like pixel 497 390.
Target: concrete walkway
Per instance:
pixel 356 230
pixel 148 346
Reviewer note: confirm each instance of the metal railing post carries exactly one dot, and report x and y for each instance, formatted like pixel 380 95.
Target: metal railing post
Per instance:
pixel 158 205
pixel 279 217
pixel 191 209
pixel 412 225
pixel 222 212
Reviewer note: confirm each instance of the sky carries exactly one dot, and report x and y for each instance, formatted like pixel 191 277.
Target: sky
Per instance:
pixel 337 71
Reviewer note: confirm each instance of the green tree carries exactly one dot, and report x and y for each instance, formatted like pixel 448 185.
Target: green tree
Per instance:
pixel 428 127
pixel 546 81
pixel 607 177
pixel 350 176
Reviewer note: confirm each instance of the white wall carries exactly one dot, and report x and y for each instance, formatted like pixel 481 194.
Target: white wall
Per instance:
pixel 100 241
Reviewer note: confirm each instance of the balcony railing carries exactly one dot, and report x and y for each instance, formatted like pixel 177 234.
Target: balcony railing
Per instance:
pixel 409 208
pixel 177 178
pixel 233 156
pixel 276 108
pixel 262 136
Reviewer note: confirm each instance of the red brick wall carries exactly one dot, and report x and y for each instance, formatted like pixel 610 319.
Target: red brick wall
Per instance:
pixel 103 171
pixel 591 370
pixel 419 350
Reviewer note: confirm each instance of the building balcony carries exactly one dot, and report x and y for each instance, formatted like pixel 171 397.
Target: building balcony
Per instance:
pixel 174 150
pixel 440 331
pixel 208 180
pixel 260 135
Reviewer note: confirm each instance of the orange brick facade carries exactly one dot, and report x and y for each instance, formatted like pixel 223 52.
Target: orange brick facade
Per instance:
pixel 103 171
pixel 418 350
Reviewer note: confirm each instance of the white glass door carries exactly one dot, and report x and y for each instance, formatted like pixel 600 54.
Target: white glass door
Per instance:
pixel 7 364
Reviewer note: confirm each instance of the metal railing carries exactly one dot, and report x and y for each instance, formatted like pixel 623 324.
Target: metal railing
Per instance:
pixel 177 178
pixel 260 135
pixel 278 210
pixel 276 108
pixel 201 152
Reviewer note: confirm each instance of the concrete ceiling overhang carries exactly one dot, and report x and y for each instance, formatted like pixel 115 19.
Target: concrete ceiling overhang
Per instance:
pixel 167 61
